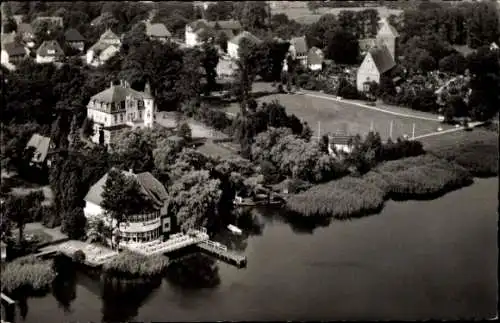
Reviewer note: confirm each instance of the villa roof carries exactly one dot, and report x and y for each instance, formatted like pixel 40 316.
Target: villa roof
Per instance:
pixel 118 93
pixel 72 35
pixel 390 29
pixel 48 45
pixel 382 58
pixel 157 30
pixel 14 49
pixel 99 46
pixel 41 145
pixel 247 35
pixel 148 184
pixel 340 139
pixel 299 43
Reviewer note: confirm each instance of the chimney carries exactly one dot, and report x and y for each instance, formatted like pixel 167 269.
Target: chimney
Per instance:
pixel 131 171
pixel 111 84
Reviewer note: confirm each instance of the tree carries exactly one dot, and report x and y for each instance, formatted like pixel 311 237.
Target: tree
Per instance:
pixel 185 132
pixel 209 61
pixel 133 150
pixel 222 10
pixel 254 16
pixel 75 142
pixel 454 63
pixel 16 209
pixel 221 39
pixel 271 55
pixel 194 199
pixel 122 197
pixel 342 46
pixel 73 223
pixel 247 67
pixel 88 127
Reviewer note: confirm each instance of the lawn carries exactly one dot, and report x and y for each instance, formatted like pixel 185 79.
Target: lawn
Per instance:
pixel 344 117
pixel 216 150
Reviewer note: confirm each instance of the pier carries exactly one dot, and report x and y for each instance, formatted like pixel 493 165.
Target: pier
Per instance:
pixel 221 252
pixel 7 299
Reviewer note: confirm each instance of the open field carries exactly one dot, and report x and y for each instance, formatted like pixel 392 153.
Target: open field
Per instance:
pixel 198 129
pixel 216 150
pixel 344 117
pixel 383 11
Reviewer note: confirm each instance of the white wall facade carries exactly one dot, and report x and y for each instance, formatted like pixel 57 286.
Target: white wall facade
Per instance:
pixel 367 72
pixel 191 39
pixel 5 57
pixel 315 67
pixel 232 50
pixel 45 59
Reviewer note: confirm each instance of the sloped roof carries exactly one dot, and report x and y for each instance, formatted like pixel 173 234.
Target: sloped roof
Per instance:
pixel 8 38
pixel 72 35
pixel 244 34
pixel 386 27
pixel 148 183
pixel 14 49
pixel 338 139
pixel 315 56
pixel 118 93
pixel 41 145
pixel 299 43
pixel 307 19
pixel 226 24
pixel 99 19
pixel 157 30
pixel 382 58
pixel 48 45
pixel 109 35
pixel 99 46
pixel 52 19
pixel 24 28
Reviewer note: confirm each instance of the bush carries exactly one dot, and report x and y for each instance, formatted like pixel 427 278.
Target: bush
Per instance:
pixel 79 257
pixel 50 218
pixel 133 265
pixel 27 275
pixel 344 198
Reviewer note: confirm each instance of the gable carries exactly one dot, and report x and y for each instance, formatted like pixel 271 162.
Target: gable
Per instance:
pixel 368 65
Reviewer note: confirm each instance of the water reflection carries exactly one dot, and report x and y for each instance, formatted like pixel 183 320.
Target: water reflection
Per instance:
pixel 121 299
pixel 64 286
pixel 249 220
pixel 193 271
pixel 298 224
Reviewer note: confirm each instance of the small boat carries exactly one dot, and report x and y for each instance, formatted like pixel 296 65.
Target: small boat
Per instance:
pixel 234 229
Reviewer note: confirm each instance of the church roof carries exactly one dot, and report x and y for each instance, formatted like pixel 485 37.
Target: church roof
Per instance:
pixel 382 58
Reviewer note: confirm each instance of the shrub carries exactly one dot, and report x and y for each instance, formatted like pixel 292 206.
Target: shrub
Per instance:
pixel 79 256
pixel 27 275
pixel 129 264
pixel 341 199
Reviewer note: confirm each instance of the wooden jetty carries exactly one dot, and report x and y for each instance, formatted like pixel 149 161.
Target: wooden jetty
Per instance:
pixel 221 252
pixel 7 299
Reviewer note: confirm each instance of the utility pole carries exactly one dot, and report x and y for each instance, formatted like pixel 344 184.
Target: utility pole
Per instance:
pixel 371 126
pixel 319 130
pixel 413 132
pixel 390 130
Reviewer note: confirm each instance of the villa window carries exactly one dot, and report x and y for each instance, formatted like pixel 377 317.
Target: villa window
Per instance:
pixel 116 118
pixel 121 117
pixel 140 114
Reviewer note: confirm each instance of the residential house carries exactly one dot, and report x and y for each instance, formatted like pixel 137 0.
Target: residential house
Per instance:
pixel 139 228
pixel 377 61
pixel 49 52
pixel 27 35
pixel 41 146
pixel 494 46
pixel 13 53
pixel 120 107
pixel 298 49
pixel 233 45
pixel 340 143
pixel 197 31
pixel 74 39
pixel 315 59
pixel 106 47
pixel 18 19
pixel 387 35
pixel 157 31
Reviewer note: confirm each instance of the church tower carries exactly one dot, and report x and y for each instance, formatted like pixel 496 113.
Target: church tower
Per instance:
pixel 149 107
pixel 387 36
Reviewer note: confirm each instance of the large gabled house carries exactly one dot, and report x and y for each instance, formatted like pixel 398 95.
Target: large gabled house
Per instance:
pixel 74 39
pixel 140 228
pixel 41 147
pixel 298 49
pixel 49 52
pixel 233 45
pixel 377 62
pixel 196 32
pixel 106 47
pixel 387 35
pixel 315 59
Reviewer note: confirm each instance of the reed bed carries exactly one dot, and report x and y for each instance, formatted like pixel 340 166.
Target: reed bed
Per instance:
pixel 421 177
pixel 27 275
pixel 342 199
pixel 132 265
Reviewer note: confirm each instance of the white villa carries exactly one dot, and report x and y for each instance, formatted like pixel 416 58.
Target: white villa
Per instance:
pixel 140 228
pixel 120 107
pixel 196 31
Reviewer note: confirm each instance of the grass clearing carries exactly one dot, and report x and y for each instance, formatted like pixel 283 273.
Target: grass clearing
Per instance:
pixel 344 117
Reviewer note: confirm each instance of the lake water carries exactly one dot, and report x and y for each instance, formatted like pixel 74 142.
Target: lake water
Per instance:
pixel 414 260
